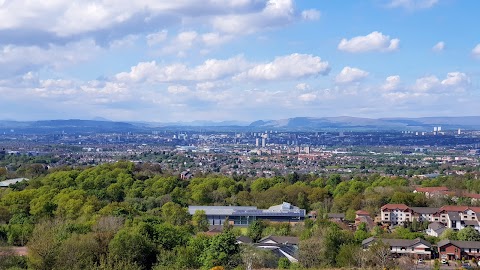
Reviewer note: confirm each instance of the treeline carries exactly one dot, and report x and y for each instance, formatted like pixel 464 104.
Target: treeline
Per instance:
pixel 133 216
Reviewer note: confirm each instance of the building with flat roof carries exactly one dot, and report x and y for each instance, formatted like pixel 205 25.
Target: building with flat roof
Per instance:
pixel 244 215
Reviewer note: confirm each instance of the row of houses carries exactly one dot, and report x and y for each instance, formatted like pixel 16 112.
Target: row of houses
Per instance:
pixel 422 249
pixel 450 216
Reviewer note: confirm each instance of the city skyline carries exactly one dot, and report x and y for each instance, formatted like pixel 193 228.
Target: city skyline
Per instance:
pixel 238 60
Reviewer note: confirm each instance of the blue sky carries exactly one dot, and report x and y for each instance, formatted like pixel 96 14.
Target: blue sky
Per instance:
pixel 242 60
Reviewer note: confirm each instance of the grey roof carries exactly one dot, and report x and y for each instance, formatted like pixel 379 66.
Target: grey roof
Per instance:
pixel 425 210
pixel 460 244
pixel 368 240
pixel 285 206
pixel 398 242
pixel 284 209
pixel 281 239
pixel 453 216
pixel 244 239
pixel 336 215
pixel 219 210
pixel 471 222
pixel 8 182
pixel 279 250
pixel 436 226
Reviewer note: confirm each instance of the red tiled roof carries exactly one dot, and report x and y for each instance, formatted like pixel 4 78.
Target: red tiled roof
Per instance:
pixel 431 189
pixel 400 206
pixel 472 195
pixel 454 208
pixel 362 213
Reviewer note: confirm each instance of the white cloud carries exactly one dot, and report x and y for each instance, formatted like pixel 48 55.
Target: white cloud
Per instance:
pixel 215 39
pixel 392 83
pixel 455 81
pixel 307 97
pixel 302 86
pixel 426 83
pixel 181 43
pixel 21 59
pixel 440 46
pixel 127 41
pixel 276 13
pixel 374 41
pixel 122 17
pixel 292 66
pixel 178 89
pixel 311 15
pixel 412 4
pixel 157 38
pixel 349 75
pixel 211 69
pixel 476 51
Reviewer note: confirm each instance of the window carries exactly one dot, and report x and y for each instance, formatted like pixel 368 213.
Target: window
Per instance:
pixel 442 249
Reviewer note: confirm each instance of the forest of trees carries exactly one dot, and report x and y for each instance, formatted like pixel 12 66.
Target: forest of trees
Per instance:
pixel 134 216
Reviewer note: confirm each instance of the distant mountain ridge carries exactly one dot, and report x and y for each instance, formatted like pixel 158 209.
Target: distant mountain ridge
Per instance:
pixel 347 122
pixel 288 124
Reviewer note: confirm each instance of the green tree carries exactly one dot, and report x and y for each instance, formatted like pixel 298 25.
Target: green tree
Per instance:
pixel 175 214
pixel 311 252
pixel 468 234
pixel 255 258
pixel 283 263
pixel 255 230
pixel 44 245
pixel 200 221
pixel 222 251
pixel 133 247
pixel 449 234
pixel 78 252
pixel 347 255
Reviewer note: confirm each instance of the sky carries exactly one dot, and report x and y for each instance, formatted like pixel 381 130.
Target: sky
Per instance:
pixel 244 60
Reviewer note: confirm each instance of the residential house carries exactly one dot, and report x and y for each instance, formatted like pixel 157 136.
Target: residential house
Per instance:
pixel 395 214
pixel 418 248
pixel 186 175
pixel 435 229
pixel 339 217
pixel 279 240
pixel 451 216
pixel 455 250
pixel 364 217
pixel 244 240
pixel 282 246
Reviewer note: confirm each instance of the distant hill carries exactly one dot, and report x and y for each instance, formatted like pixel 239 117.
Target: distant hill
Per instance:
pixel 357 123
pixel 289 124
pixel 72 125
